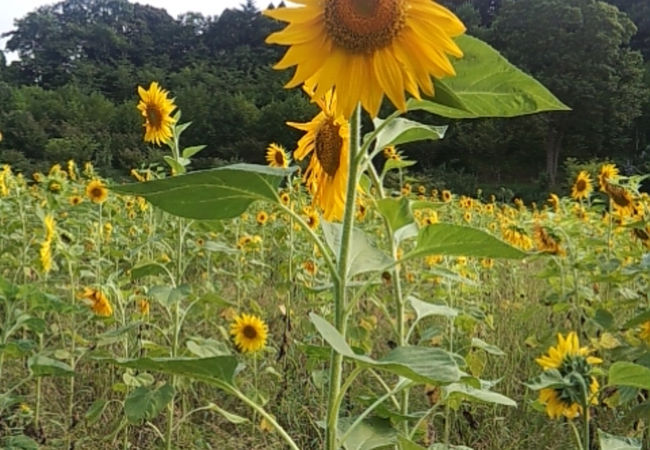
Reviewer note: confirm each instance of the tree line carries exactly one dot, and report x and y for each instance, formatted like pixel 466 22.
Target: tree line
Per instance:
pixel 72 92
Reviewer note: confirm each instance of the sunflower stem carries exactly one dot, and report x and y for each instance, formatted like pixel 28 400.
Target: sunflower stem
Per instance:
pixel 336 360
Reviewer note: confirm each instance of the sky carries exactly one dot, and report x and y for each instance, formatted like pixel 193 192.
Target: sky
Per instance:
pixel 16 9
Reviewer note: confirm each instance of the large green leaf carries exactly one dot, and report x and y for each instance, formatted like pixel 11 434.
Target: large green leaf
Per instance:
pixel 400 131
pixel 368 434
pixel 145 403
pixel 396 211
pixel 425 309
pixel 218 369
pixel 425 365
pixel 464 391
pixel 221 193
pixel 457 240
pixel 42 366
pixel 364 257
pixel 487 85
pixel 623 373
pixel 611 442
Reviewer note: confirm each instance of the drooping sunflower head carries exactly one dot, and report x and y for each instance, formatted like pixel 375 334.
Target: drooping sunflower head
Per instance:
pixel 277 156
pixel 546 241
pixel 96 191
pixel 98 302
pixel 327 140
pixel 249 333
pixel 582 186
pixel 573 363
pixel 621 198
pixel 156 109
pixel 367 48
pixel 554 201
pixel 608 173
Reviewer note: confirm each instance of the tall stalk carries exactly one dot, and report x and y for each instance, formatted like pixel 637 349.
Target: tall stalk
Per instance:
pixel 340 300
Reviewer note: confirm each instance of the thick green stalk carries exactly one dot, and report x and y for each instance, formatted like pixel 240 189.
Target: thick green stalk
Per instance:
pixel 336 360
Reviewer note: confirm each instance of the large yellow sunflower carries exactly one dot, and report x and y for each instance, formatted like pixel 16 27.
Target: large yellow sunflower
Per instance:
pixel 365 48
pixel 569 359
pixel 582 186
pixel 327 139
pixel 96 191
pixel 156 109
pixel 249 333
pixel 276 156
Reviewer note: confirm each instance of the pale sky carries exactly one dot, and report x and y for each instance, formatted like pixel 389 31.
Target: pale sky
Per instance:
pixel 15 9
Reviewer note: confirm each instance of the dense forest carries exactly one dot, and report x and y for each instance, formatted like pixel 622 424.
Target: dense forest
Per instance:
pixel 72 92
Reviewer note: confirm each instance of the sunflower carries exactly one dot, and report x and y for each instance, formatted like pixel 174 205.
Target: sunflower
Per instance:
pixel 312 218
pixel 389 152
pixel 276 156
pixel 96 191
pixel 262 217
pixel 45 254
pixel 608 173
pixel 144 307
pixel 367 48
pixel 621 198
pixel 573 362
pixel 446 196
pixel 156 109
pixel 644 334
pixel 249 333
pixel 327 139
pixel 582 186
pixel 75 200
pixel 98 302
pixel 554 201
pixel 285 198
pixel 546 242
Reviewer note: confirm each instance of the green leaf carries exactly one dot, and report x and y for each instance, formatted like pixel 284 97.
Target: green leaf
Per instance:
pixel 425 365
pixel 637 320
pixel 400 131
pixel 188 152
pixel 391 164
pixel 492 349
pixel 407 444
pixel 464 391
pixel 623 373
pixel 396 211
pixel 95 411
pixel 205 348
pixel 217 370
pixel 611 442
pixel 486 85
pixel 364 257
pixel 230 417
pixel 177 166
pixel 42 366
pixel 168 295
pixel 221 193
pixel 368 434
pixel 147 269
pixel 457 240
pixel 19 442
pixel 551 378
pixel 425 309
pixel 145 404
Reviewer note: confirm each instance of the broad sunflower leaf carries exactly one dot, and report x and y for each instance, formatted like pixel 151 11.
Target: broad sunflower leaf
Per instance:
pixel 490 348
pixel 486 85
pixel 42 366
pixel 457 240
pixel 396 211
pixel 218 370
pixel 611 442
pixel 145 403
pixel 425 309
pixel 221 193
pixel 396 164
pixel 421 364
pixel 407 444
pixel 368 434
pixel 623 373
pixel 464 391
pixel 400 131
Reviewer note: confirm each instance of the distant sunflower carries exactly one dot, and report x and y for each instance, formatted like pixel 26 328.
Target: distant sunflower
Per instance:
pixel 608 173
pixel 285 198
pixel 327 140
pixel 546 242
pixel 156 109
pixel 262 217
pixel 568 358
pixel 644 334
pixel 276 156
pixel 582 186
pixel 365 49
pixel 446 196
pixel 312 218
pixel 621 198
pixel 98 302
pixel 96 191
pixel 554 201
pixel 75 200
pixel 249 333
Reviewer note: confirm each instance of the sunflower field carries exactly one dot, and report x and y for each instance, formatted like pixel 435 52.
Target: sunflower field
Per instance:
pixel 329 299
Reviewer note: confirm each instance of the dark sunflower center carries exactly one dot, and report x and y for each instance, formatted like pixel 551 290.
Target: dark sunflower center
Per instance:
pixel 363 26
pixel 154 116
pixel 250 332
pixel 328 145
pixel 581 185
pixel 96 192
pixel 279 158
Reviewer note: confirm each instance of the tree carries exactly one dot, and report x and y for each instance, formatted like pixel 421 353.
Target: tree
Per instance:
pixel 579 49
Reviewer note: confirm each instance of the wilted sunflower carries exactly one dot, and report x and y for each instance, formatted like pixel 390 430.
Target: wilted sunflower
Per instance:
pixel 569 359
pixel 276 156
pixel 582 186
pixel 608 173
pixel 621 198
pixel 249 333
pixel 98 302
pixel 367 48
pixel 327 140
pixel 545 241
pixel 156 109
pixel 96 191
pixel 554 201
